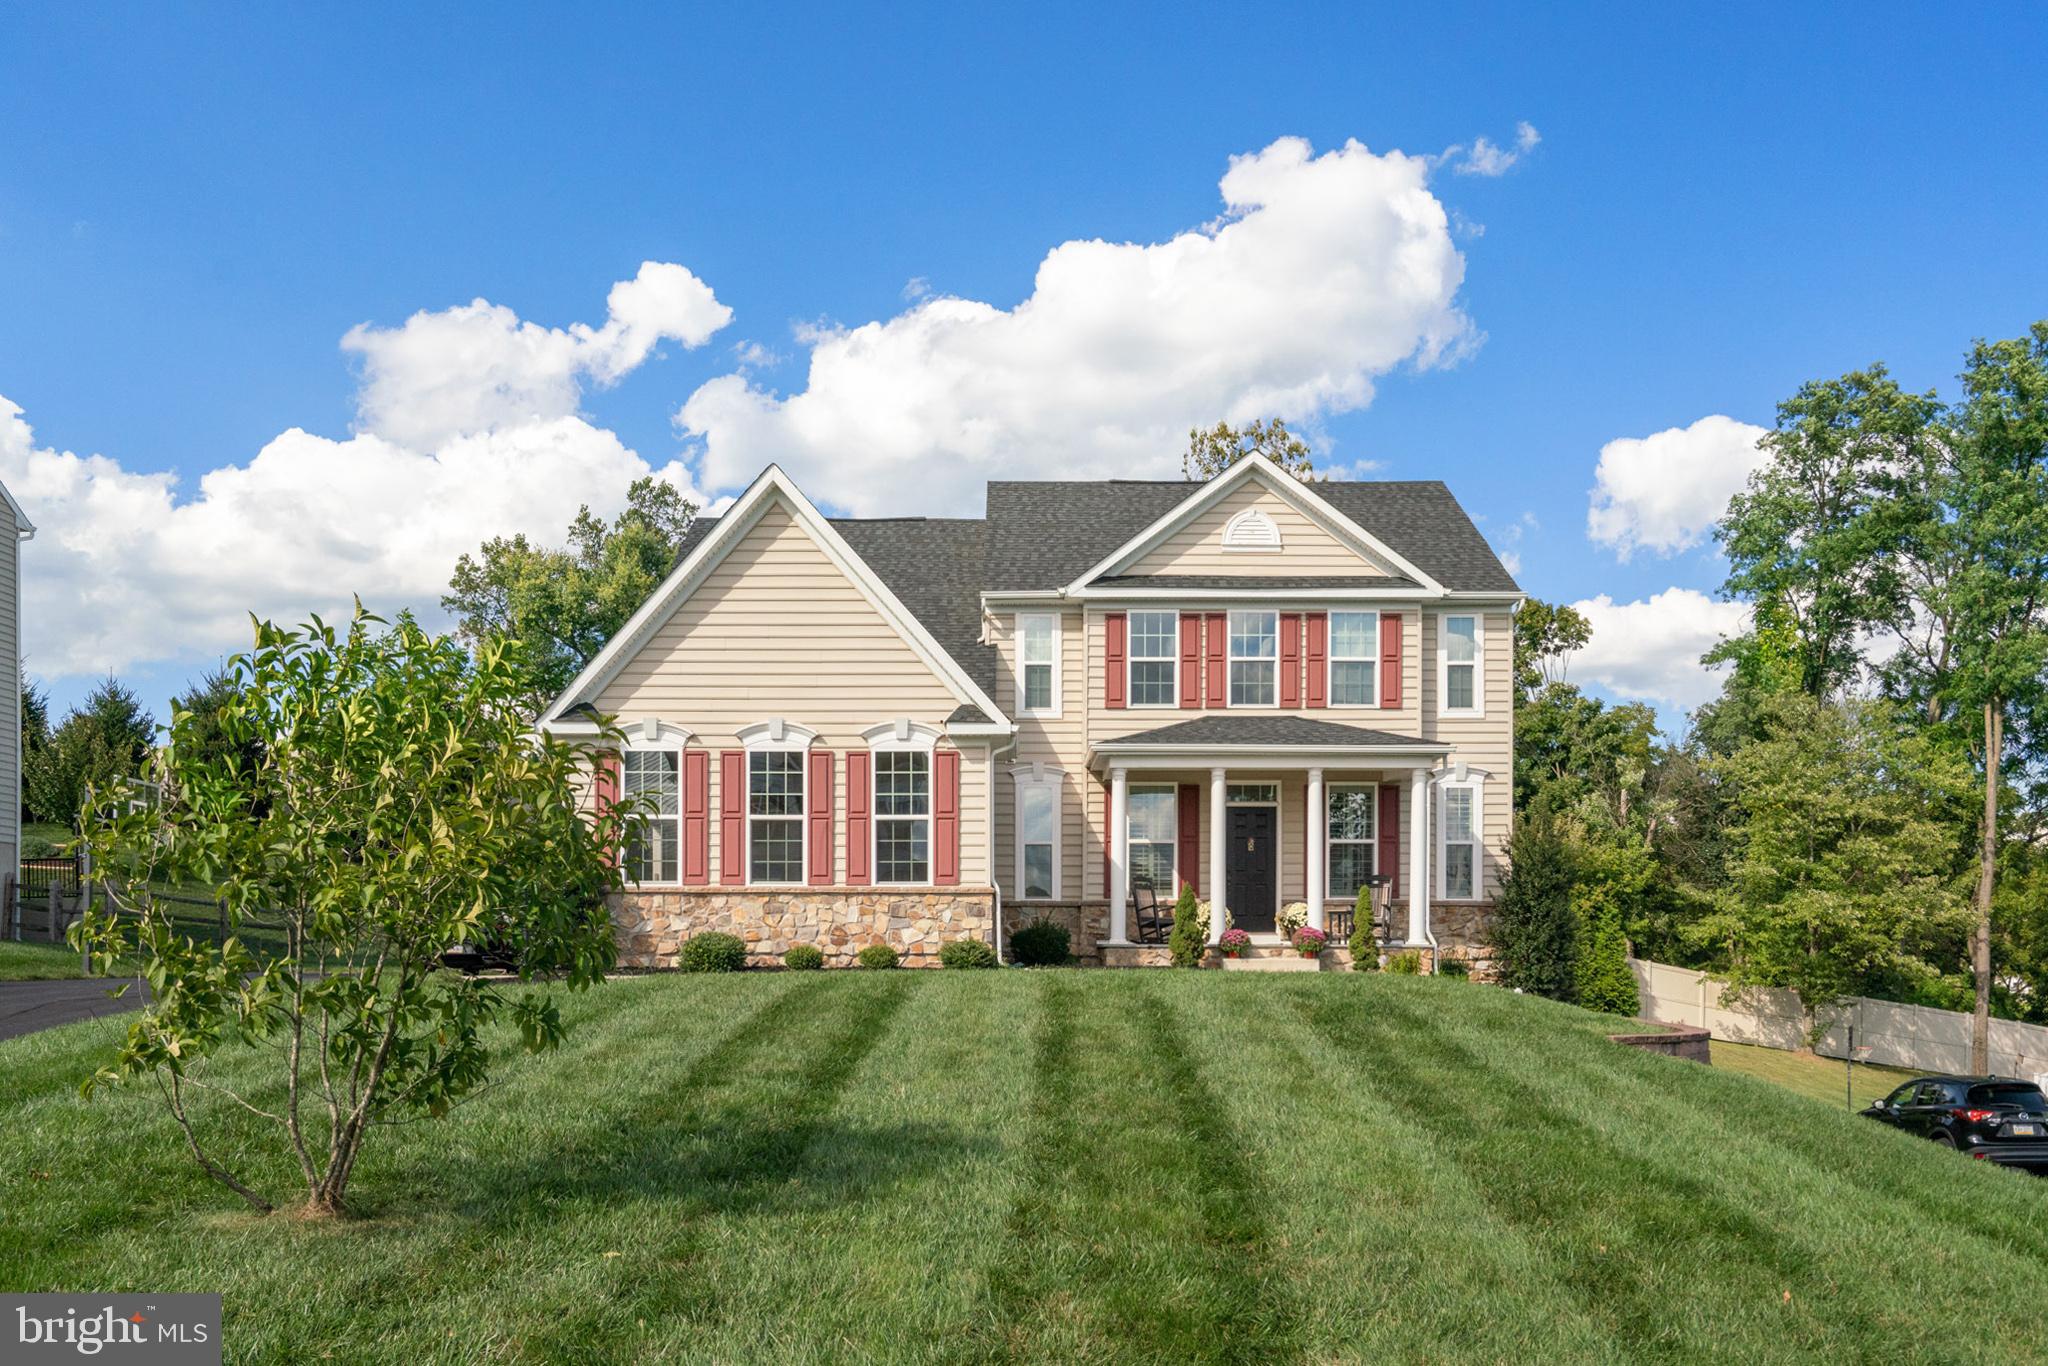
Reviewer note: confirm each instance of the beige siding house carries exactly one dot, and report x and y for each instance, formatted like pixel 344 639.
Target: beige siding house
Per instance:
pixel 918 729
pixel 15 528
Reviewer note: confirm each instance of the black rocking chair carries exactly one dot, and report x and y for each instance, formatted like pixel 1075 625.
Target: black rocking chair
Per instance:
pixel 1153 922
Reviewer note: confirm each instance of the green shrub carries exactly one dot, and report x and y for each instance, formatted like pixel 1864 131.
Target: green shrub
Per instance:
pixel 1407 963
pixel 877 956
pixel 1041 944
pixel 804 958
pixel 1536 930
pixel 1189 942
pixel 967 953
pixel 1364 944
pixel 1453 967
pixel 713 952
pixel 1605 982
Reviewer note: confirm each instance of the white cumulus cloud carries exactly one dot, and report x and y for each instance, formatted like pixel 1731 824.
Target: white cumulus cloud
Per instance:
pixel 1323 273
pixel 1650 649
pixel 1664 492
pixel 1488 158
pixel 477 366
pixel 470 431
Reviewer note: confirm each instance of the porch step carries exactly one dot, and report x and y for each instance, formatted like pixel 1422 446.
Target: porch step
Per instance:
pixel 1274 961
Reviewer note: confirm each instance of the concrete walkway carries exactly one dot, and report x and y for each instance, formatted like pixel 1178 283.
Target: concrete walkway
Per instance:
pixel 26 1007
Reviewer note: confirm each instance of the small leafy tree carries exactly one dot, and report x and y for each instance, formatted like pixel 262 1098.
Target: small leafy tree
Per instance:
pixel 1535 929
pixel 1210 452
pixel 402 807
pixel 1189 941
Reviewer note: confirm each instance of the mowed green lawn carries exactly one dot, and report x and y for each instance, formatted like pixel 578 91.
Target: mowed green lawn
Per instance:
pixel 1061 1166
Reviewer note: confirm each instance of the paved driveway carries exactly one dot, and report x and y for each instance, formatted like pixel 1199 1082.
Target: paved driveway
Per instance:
pixel 26 1007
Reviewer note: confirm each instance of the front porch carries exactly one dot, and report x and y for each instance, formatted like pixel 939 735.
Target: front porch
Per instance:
pixel 1259 813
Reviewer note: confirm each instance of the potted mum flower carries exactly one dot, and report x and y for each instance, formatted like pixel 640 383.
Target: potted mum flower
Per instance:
pixel 1234 942
pixel 1310 941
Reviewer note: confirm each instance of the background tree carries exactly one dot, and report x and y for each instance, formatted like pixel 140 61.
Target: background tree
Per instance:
pixel 204 710
pixel 1535 928
pixel 1547 635
pixel 1215 450
pixel 402 807
pixel 563 603
pixel 109 736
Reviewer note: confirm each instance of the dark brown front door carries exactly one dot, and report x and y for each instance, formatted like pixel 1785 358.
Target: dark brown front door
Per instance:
pixel 1250 887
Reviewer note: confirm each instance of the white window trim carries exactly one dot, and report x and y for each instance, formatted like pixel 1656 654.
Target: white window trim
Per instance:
pixel 653 742
pixel 778 735
pixel 1443 665
pixel 1372 841
pixel 903 736
pixel 1058 646
pixel 1475 782
pixel 1172 790
pixel 1131 660
pixel 1331 659
pixel 1230 658
pixel 1033 776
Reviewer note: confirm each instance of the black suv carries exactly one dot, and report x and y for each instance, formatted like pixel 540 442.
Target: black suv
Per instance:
pixel 1992 1119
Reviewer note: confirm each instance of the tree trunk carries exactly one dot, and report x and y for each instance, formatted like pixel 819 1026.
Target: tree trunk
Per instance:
pixel 1987 870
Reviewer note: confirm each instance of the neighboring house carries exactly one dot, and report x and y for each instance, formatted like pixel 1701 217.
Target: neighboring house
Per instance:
pixel 15 528
pixel 907 729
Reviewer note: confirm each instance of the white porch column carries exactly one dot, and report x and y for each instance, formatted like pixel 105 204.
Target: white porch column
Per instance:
pixel 1419 872
pixel 1219 800
pixel 1119 855
pixel 1318 831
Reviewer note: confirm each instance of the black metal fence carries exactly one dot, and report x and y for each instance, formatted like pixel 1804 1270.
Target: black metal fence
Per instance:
pixel 40 875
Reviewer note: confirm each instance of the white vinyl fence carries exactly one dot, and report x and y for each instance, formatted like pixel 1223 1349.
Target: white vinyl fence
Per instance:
pixel 1889 1034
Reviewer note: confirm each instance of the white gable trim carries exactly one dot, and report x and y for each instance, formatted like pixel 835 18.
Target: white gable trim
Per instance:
pixel 1301 495
pixel 24 529
pixel 770 487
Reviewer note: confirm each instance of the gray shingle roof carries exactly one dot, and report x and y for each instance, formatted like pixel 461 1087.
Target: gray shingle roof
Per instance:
pixel 1267 730
pixel 1196 582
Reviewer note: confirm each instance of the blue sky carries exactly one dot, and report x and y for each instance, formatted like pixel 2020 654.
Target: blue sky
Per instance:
pixel 197 205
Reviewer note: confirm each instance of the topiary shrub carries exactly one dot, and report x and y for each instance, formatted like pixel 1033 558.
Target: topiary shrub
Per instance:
pixel 1041 944
pixel 1453 967
pixel 1605 982
pixel 1189 942
pixel 713 952
pixel 967 953
pixel 877 956
pixel 1364 944
pixel 1407 963
pixel 804 958
pixel 1535 931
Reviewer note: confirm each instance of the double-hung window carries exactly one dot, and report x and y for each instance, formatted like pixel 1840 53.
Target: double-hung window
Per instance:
pixel 1153 829
pixel 775 816
pixel 1038 833
pixel 1038 659
pixel 648 778
pixel 1459 651
pixel 1354 819
pixel 1254 659
pixel 1354 658
pixel 903 815
pixel 1458 840
pixel 1155 658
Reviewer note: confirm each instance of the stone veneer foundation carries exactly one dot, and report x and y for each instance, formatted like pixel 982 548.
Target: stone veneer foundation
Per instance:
pixel 915 921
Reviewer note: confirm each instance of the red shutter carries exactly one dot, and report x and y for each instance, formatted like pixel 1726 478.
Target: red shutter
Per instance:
pixel 1190 660
pixel 1219 664
pixel 1290 659
pixel 1390 837
pixel 859 793
pixel 604 791
pixel 1189 859
pixel 1390 659
pixel 946 817
pixel 1318 659
pixel 732 818
pixel 696 817
pixel 1113 671
pixel 820 798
